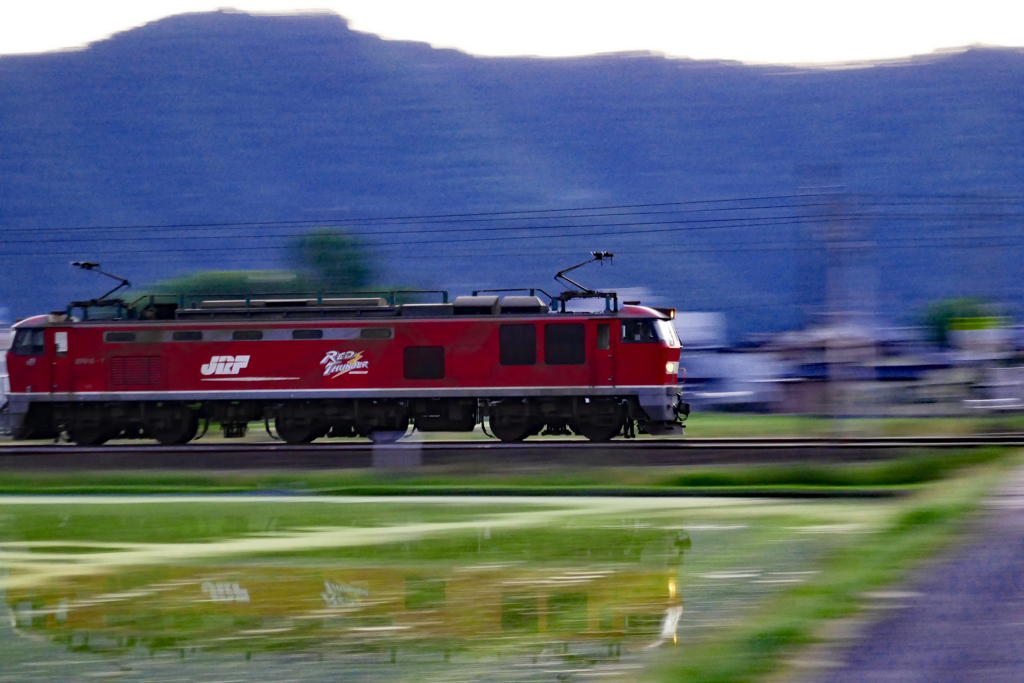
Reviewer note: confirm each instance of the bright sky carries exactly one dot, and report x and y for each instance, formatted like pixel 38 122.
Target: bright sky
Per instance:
pixel 765 31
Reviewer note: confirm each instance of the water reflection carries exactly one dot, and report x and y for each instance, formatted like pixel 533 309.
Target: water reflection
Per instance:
pixel 443 592
pixel 356 609
pixel 582 614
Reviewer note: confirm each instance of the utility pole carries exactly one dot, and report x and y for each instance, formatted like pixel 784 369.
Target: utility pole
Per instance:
pixel 848 291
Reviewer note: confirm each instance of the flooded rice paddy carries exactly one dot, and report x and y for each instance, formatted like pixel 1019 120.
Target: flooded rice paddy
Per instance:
pixel 239 588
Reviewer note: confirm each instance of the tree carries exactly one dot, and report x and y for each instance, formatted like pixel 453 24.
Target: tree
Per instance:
pixel 232 282
pixel 941 317
pixel 339 261
pixel 327 260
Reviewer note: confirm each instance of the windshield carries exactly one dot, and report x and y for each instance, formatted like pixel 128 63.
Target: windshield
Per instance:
pixel 648 331
pixel 667 332
pixel 29 343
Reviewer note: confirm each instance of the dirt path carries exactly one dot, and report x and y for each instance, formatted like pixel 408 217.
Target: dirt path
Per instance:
pixel 962 619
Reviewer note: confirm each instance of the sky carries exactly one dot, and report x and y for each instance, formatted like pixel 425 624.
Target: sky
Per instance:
pixel 752 31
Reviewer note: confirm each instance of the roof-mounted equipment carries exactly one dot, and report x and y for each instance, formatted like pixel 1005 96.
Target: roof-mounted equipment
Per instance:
pixel 95 267
pixel 101 301
pixel 611 299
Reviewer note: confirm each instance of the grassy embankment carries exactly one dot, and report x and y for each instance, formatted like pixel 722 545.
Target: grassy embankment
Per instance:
pixel 899 476
pixel 712 425
pixel 767 643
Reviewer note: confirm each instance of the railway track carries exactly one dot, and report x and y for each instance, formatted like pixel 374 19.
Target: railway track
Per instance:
pixel 479 453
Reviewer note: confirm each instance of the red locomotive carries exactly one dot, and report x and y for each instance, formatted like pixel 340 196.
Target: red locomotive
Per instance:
pixel 322 366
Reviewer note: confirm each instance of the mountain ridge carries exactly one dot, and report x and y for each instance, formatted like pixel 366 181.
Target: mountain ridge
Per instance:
pixel 229 117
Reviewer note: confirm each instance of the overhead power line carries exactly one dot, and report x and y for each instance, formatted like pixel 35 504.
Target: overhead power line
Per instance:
pixel 723 223
pixel 536 214
pixel 446 230
pixel 229 254
pixel 341 224
pixel 791 220
pixel 454 217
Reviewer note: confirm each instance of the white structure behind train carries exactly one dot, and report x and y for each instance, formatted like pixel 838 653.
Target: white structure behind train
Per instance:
pixel 5 385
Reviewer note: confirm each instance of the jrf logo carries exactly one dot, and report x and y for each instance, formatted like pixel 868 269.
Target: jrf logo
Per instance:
pixel 225 365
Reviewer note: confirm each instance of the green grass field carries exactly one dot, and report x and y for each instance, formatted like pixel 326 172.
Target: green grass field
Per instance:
pixel 918 467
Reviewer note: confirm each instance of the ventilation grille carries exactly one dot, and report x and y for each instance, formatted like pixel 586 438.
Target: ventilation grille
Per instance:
pixel 136 371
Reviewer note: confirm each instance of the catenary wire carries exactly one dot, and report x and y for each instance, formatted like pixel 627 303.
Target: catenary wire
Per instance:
pixel 530 214
pixel 436 216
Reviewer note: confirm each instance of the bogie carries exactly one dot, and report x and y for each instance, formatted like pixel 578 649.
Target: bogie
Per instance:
pixel 85 434
pixel 598 419
pixel 514 420
pixel 297 430
pixel 172 425
pixel 301 422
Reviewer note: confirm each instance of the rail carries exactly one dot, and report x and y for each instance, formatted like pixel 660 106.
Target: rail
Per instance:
pixel 653 452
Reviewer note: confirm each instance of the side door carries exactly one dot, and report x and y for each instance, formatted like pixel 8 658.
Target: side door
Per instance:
pixel 61 362
pixel 604 342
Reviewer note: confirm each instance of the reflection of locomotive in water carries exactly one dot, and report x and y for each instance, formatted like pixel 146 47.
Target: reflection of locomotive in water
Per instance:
pixel 275 608
pixel 345 366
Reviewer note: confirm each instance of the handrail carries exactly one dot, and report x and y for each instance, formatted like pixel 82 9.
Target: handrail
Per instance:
pixel 392 295
pixel 531 290
pixel 129 309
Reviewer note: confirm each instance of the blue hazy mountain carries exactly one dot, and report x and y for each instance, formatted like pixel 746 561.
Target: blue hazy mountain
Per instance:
pixel 214 120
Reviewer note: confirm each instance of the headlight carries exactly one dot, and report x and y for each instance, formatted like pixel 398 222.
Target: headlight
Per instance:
pixel 671 368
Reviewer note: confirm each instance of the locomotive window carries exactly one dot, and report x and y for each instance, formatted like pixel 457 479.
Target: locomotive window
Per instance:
pixel 119 337
pixel 29 343
pixel 247 335
pixel 60 343
pixel 307 334
pixel 377 333
pixel 564 344
pixel 649 331
pixel 667 332
pixel 517 344
pixel 604 337
pixel 187 335
pixel 424 362
pixel 639 332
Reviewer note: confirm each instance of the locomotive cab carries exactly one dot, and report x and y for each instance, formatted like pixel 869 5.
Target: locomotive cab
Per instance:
pixel 37 364
pixel 649 344
pixel 648 356
pixel 37 351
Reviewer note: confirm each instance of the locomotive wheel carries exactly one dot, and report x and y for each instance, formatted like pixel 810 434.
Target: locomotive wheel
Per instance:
pixel 174 430
pixel 514 421
pixel 508 431
pixel 294 430
pixel 601 422
pixel 90 434
pixel 598 432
